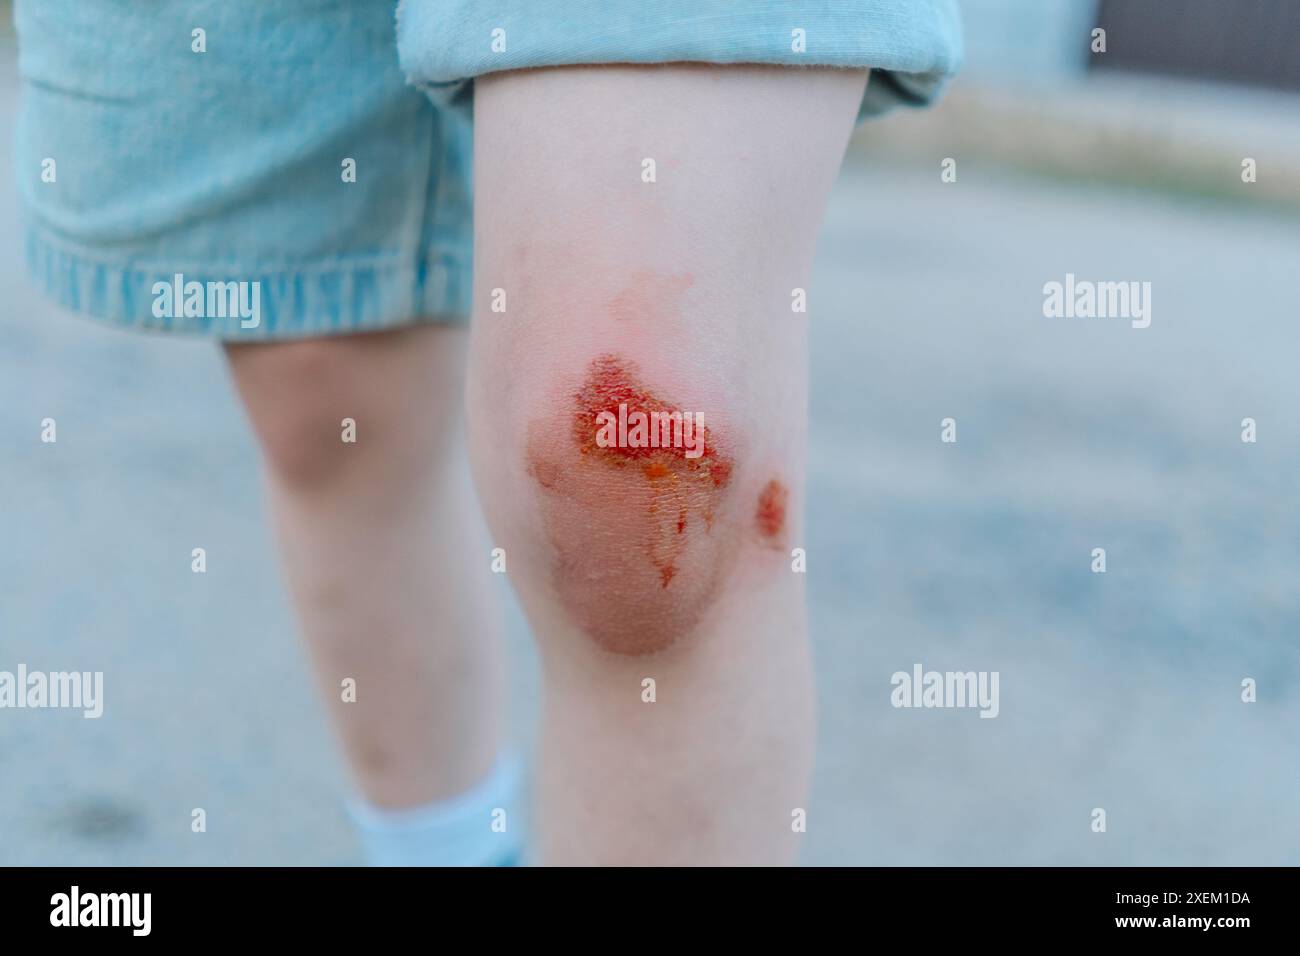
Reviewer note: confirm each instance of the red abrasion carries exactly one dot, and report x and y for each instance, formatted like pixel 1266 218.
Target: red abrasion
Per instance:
pixel 772 504
pixel 678 483
pixel 612 382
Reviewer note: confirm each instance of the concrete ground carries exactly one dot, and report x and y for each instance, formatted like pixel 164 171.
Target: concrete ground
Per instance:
pixel 1118 690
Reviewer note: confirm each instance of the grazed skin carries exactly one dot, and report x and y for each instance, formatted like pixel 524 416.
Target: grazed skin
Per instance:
pixel 659 504
pixel 678 483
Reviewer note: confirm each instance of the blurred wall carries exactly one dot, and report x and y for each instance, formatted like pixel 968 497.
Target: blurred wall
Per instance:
pixel 1012 41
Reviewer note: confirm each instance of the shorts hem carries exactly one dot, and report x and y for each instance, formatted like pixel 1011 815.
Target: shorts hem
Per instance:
pixel 295 301
pixel 914 46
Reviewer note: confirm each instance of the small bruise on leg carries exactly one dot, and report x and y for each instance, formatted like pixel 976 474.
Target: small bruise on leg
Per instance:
pixel 651 295
pixel 770 514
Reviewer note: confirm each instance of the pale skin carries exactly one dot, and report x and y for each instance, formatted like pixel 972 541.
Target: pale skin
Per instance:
pixel 372 537
pixel 687 281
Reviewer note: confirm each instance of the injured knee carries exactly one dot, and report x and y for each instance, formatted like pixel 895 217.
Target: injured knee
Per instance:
pixel 637 501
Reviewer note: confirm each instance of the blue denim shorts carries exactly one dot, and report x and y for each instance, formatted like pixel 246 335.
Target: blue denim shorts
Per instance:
pixel 269 169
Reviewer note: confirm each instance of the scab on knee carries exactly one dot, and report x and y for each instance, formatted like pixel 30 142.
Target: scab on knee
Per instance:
pixel 634 492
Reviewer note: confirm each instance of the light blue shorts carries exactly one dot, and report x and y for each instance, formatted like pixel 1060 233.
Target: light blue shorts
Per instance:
pixel 266 169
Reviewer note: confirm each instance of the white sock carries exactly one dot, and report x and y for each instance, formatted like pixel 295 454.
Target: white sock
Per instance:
pixel 481 827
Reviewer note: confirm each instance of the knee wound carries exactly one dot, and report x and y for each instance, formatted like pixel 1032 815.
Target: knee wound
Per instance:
pixel 634 494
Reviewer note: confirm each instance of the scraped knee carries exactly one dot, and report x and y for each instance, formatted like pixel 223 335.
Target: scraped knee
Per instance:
pixel 637 505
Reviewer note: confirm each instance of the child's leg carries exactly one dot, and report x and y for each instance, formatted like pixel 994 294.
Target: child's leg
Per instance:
pixel 646 229
pixel 383 550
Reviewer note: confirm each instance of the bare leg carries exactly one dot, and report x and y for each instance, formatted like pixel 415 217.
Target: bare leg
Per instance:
pixel 664 287
pixel 382 549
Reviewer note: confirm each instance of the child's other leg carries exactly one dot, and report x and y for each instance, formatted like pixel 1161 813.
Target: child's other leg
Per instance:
pixel 382 550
